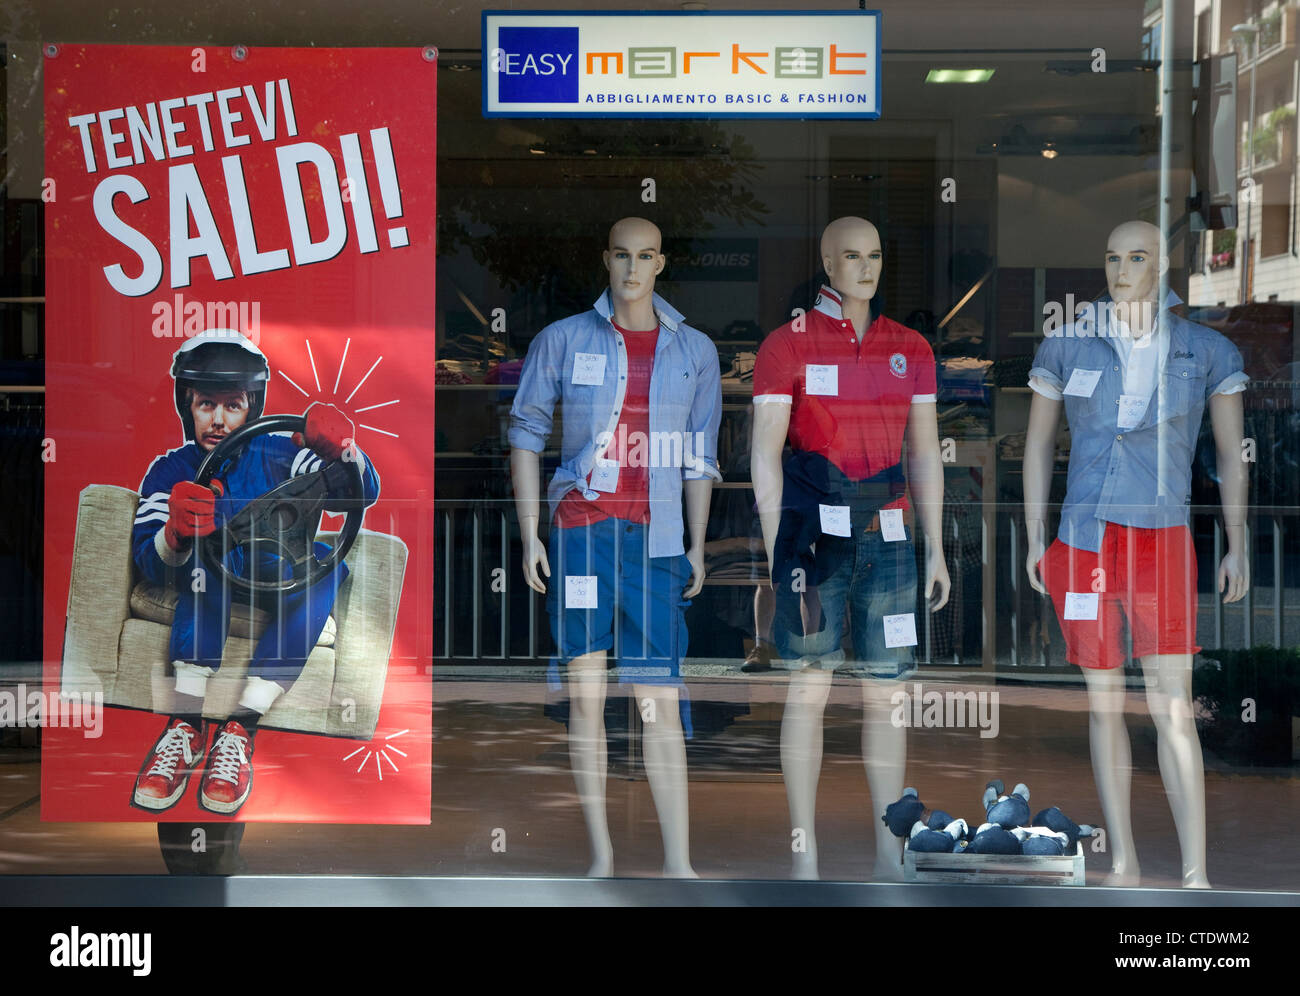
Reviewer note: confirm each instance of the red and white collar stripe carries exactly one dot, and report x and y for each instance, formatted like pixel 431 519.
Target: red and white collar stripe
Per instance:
pixel 828 303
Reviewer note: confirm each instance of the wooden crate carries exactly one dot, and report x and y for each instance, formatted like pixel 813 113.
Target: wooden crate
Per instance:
pixel 994 869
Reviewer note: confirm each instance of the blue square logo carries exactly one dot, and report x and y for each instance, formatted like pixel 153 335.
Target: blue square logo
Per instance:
pixel 537 65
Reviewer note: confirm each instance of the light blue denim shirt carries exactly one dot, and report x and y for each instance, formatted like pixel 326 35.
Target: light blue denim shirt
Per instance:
pixel 1140 476
pixel 685 408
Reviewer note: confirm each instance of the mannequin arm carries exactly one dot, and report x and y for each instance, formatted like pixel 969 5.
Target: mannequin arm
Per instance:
pixel 770 425
pixel 1040 451
pixel 925 482
pixel 698 492
pixel 1226 421
pixel 525 472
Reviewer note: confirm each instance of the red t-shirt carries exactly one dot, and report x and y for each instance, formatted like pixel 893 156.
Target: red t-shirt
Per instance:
pixel 631 447
pixel 849 399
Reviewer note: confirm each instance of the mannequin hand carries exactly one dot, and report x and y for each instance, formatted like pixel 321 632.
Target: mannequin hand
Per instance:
pixel 1035 554
pixel 1234 577
pixel 191 510
pixel 696 556
pixel 535 557
pixel 937 583
pixel 328 431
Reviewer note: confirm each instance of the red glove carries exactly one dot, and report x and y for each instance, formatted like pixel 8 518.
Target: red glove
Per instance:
pixel 191 511
pixel 328 431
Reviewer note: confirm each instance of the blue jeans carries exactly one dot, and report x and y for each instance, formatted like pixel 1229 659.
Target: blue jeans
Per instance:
pixel 202 621
pixel 860 576
pixel 639 617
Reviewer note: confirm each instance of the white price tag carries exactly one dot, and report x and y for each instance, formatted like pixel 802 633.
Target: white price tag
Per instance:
pixel 1083 383
pixel 835 520
pixel 1131 409
pixel 821 378
pixel 1080 605
pixel 891 525
pixel 604 476
pixel 900 630
pixel 580 591
pixel 589 368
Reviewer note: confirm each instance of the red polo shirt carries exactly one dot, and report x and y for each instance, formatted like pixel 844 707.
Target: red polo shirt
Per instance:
pixel 849 399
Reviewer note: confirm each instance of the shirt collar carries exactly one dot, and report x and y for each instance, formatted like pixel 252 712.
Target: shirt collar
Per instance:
pixel 668 316
pixel 1099 317
pixel 828 303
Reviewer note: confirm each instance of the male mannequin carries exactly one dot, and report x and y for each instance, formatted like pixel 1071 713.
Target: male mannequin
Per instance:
pixel 847 390
pixel 1134 382
pixel 628 370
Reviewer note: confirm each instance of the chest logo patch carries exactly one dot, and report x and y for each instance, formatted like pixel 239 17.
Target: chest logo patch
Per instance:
pixel 898 365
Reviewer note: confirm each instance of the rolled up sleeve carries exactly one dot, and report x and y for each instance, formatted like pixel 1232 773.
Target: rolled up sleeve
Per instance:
pixel 705 415
pixel 532 414
pixel 1226 374
pixel 1045 376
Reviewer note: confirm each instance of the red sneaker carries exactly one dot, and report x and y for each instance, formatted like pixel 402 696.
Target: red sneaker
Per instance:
pixel 166 771
pixel 228 778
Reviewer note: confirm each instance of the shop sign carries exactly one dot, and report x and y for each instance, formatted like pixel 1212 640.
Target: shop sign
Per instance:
pixel 780 64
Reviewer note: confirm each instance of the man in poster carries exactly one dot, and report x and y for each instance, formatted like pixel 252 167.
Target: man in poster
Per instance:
pixel 221 378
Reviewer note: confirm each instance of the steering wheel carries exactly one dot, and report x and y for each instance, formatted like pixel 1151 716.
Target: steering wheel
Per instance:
pixel 284 520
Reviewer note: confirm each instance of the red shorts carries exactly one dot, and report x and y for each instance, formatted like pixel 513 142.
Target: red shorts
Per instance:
pixel 1147 576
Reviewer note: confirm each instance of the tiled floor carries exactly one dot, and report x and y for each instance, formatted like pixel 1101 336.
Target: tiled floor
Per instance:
pixel 499 764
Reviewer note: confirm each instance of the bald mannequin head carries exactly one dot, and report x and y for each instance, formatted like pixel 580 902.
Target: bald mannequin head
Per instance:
pixel 1133 262
pixel 852 258
pixel 633 259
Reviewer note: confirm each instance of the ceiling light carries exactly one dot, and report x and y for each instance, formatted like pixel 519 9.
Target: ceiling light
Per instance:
pixel 959 75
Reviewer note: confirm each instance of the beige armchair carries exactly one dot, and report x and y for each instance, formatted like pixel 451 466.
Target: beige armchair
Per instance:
pixel 119 626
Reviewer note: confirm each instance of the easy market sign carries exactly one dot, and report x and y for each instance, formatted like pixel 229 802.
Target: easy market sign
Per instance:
pixel 809 64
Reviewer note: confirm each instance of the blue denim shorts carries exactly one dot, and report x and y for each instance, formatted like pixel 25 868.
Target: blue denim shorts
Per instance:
pixel 639 613
pixel 858 580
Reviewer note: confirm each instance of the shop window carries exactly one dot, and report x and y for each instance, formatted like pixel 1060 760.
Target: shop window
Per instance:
pixel 1275 229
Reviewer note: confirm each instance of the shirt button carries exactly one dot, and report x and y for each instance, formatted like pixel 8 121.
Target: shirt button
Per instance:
pixel 1114 368
pixel 1184 373
pixel 1119 439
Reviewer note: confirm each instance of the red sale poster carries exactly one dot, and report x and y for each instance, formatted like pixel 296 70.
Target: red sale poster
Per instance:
pixel 239 452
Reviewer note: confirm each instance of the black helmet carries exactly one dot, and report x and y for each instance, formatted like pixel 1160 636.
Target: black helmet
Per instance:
pixel 222 359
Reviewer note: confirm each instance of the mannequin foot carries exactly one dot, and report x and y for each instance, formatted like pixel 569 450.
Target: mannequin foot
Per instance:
pixel 1196 879
pixel 679 871
pixel 804 868
pixel 1123 878
pixel 602 866
pixel 888 869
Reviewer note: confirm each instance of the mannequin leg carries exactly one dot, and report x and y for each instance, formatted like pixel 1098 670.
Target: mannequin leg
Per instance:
pixel 1169 697
pixel 1112 767
pixel 801 762
pixel 665 764
pixel 589 756
pixel 884 752
pixel 764 609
